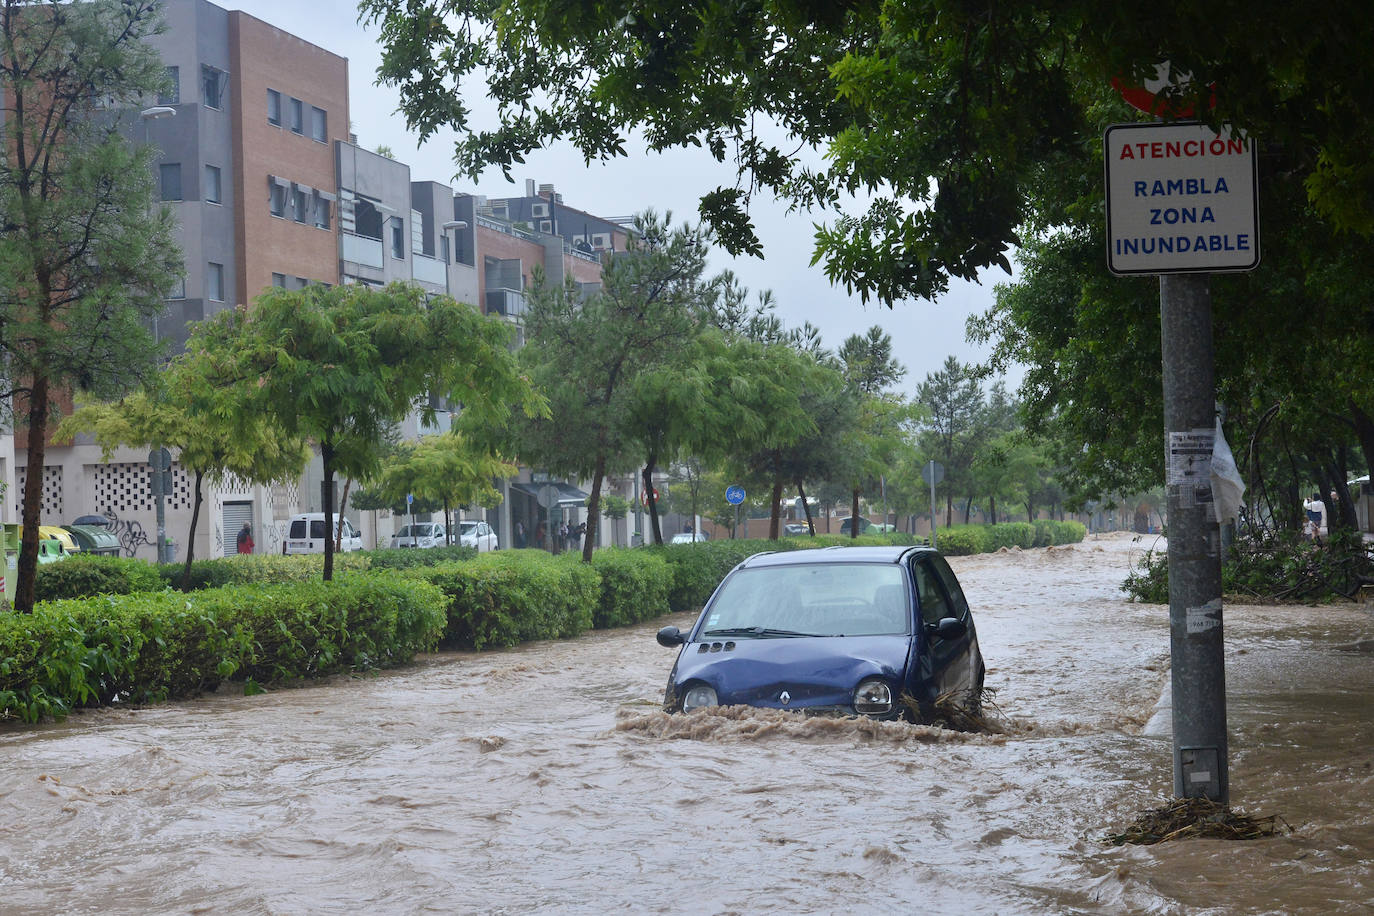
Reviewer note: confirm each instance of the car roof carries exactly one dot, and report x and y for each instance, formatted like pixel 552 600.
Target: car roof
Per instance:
pixel 823 555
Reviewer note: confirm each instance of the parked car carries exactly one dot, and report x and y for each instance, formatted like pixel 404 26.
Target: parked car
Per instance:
pixel 306 535
pixel 420 534
pixel 689 537
pixel 479 535
pixel 846 523
pixel 849 631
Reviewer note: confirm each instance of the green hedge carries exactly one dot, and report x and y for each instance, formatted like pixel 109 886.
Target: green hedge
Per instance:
pixel 512 596
pixel 153 645
pixel 410 558
pixel 634 587
pixel 86 575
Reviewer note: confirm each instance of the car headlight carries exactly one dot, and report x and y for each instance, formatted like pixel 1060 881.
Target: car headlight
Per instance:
pixel 698 696
pixel 873 697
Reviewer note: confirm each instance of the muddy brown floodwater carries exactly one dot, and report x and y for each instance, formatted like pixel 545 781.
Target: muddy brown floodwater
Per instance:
pixel 546 780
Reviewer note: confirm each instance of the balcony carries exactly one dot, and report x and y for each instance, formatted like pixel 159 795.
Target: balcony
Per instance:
pixel 509 303
pixel 357 249
pixel 429 270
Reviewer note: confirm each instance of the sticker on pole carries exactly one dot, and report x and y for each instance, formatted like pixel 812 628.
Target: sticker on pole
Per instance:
pixel 1181 198
pixel 1207 617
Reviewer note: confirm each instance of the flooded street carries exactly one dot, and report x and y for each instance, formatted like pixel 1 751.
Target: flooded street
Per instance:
pixel 546 780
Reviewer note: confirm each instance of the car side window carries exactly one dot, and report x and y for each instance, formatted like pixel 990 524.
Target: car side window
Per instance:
pixel 934 606
pixel 298 528
pixel 316 528
pixel 959 604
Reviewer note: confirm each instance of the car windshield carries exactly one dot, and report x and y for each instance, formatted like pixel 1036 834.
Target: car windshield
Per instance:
pixel 421 531
pixel 819 599
pixel 467 527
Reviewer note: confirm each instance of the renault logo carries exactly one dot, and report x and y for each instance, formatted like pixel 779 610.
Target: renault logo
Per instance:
pixel 785 698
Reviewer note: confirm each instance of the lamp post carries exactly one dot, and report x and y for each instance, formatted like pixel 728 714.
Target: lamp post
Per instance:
pixel 157 112
pixel 160 459
pixel 457 225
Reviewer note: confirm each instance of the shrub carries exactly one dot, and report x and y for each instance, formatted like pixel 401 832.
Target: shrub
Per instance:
pixel 962 540
pixel 152 645
pixel 634 587
pixel 261 568
pixel 1069 532
pixel 509 597
pixel 1044 532
pixel 85 575
pixel 407 558
pixel 1010 534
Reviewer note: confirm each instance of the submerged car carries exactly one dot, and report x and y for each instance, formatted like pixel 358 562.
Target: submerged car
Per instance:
pixel 869 631
pixel 690 537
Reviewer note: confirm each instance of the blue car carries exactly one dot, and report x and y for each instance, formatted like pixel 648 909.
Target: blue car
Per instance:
pixel 863 631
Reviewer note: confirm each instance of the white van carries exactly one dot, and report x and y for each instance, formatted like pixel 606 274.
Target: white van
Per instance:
pixel 306 535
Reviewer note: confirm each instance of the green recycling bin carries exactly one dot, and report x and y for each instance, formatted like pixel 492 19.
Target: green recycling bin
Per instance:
pixel 94 539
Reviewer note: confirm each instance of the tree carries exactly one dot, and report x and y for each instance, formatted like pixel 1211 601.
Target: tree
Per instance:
pixel 340 366
pixel 946 116
pixel 869 368
pixel 952 398
pixel 615 507
pixel 588 351
pixel 447 469
pixel 85 253
pixel 248 447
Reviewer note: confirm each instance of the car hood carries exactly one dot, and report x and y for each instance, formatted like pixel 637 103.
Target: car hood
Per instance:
pixel 812 670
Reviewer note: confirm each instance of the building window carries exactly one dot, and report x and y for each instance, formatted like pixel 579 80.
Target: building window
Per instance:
pixel 172 94
pixel 367 219
pixel 169 173
pixel 301 283
pixel 274 107
pixel 443 248
pixel 214 282
pixel 321 212
pixel 212 185
pixel 178 290
pixel 279 280
pixel 298 203
pixel 297 116
pixel 398 237
pixel 318 123
pixel 212 87
pixel 276 196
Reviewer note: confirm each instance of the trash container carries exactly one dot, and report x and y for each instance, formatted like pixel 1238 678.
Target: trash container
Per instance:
pixel 50 550
pixel 11 568
pixel 94 539
pixel 61 535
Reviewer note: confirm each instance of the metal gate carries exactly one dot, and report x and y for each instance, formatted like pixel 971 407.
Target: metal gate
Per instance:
pixel 235 515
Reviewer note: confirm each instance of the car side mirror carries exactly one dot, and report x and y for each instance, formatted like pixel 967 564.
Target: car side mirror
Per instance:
pixel 669 637
pixel 948 628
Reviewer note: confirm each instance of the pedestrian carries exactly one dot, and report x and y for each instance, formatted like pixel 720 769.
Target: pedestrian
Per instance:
pixel 519 535
pixel 1314 510
pixel 245 540
pixel 539 530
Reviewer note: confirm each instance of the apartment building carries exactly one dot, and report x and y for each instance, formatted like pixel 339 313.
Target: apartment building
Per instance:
pixel 270 189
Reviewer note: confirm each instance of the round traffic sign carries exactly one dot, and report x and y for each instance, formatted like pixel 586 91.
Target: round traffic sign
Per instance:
pixel 549 496
pixel 933 472
pixel 644 497
pixel 734 495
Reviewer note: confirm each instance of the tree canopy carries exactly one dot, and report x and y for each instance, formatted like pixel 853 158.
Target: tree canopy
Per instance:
pixel 945 116
pixel 86 255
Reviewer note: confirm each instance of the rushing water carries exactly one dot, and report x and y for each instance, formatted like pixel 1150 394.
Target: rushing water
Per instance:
pixel 546 780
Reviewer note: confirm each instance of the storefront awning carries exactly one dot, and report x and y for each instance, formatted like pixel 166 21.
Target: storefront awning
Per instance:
pixel 568 495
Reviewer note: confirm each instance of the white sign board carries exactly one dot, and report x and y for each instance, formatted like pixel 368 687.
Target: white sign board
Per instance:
pixel 1181 198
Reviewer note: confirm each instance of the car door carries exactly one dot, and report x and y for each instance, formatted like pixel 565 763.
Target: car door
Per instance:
pixel 949 660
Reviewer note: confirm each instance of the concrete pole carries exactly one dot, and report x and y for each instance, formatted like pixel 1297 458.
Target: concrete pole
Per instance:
pixel 1195 630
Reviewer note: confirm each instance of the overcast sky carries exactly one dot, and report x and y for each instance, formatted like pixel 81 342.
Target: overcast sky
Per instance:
pixel 923 334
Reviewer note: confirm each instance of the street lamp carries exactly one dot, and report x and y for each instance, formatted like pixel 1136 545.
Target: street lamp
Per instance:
pixel 155 113
pixel 456 225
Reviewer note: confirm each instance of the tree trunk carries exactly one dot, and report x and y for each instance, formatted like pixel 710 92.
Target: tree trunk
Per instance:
pixel 1364 431
pixel 854 513
pixel 775 511
pixel 594 508
pixel 191 538
pixel 648 477
pixel 992 508
pixel 327 457
pixel 33 495
pixel 806 507
pixel 338 526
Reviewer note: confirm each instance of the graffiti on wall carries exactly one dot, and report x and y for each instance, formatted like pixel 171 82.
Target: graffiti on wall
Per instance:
pixel 129 532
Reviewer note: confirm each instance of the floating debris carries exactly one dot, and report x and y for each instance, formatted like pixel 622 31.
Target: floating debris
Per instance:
pixel 1184 818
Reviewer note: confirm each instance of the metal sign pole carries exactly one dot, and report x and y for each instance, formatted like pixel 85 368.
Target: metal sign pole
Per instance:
pixel 1198 676
pixel 933 542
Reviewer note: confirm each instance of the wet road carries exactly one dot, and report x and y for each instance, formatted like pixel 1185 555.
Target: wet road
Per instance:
pixel 546 780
